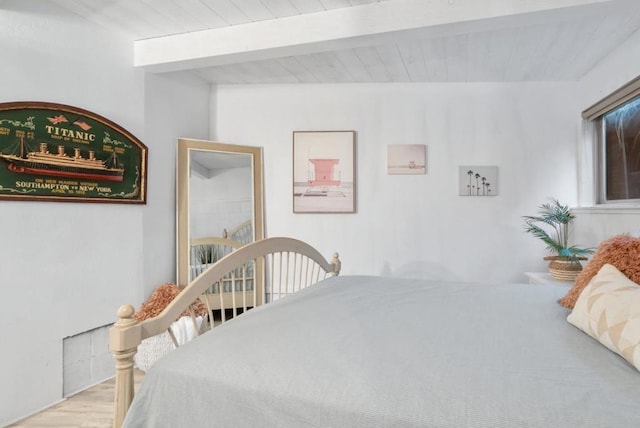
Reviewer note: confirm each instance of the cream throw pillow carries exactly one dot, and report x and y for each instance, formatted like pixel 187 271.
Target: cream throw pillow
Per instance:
pixel 608 310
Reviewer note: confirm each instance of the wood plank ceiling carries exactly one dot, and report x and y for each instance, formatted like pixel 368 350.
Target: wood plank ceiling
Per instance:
pixel 550 45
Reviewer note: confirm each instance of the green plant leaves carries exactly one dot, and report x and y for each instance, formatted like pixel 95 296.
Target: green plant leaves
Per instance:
pixel 558 217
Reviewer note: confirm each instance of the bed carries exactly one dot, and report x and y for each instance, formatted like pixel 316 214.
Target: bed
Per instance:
pixel 363 351
pixel 284 265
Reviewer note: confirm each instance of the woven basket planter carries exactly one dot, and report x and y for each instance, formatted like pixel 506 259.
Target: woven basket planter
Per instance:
pixel 563 268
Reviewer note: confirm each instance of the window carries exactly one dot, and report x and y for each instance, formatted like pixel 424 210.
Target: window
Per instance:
pixel 617 137
pixel 621 150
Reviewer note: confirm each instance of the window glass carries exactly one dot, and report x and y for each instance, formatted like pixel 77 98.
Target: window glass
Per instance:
pixel 621 152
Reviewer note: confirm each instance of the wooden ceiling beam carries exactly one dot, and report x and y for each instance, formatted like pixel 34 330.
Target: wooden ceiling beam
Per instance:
pixel 366 25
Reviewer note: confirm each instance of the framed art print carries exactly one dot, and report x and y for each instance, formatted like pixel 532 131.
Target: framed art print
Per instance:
pixel 406 159
pixel 324 172
pixel 478 180
pixel 60 153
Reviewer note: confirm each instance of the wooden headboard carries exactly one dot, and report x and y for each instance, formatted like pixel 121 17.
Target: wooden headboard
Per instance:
pixel 285 266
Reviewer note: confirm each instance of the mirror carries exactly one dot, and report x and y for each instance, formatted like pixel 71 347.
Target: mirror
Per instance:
pixel 219 203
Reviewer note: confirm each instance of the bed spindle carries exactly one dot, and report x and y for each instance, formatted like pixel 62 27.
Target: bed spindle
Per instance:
pixel 256 290
pixel 232 290
pixel 223 315
pixel 287 272
pixel 244 288
pixel 314 273
pixel 304 267
pixel 209 311
pixel 298 269
pixel 280 274
pixel 271 287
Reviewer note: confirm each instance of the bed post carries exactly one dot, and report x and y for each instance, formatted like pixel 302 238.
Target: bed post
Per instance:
pixel 336 263
pixel 124 338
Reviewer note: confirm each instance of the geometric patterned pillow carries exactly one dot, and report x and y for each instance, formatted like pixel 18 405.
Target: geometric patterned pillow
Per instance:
pixel 608 310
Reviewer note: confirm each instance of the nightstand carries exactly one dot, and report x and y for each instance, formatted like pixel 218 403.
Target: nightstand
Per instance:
pixel 545 278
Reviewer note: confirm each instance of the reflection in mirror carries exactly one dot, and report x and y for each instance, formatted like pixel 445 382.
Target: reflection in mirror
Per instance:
pixel 220 195
pixel 220 209
pixel 220 204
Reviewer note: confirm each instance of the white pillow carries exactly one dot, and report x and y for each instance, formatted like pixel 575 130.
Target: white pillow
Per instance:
pixel 153 348
pixel 608 310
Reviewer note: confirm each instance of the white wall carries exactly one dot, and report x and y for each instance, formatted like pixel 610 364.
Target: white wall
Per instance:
pixel 175 106
pixel 592 225
pixel 66 267
pixel 59 277
pixel 417 225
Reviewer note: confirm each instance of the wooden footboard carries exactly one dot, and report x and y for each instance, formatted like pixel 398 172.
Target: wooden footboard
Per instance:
pixel 285 266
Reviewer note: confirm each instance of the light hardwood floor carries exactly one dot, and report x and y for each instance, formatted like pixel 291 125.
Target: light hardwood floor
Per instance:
pixel 92 408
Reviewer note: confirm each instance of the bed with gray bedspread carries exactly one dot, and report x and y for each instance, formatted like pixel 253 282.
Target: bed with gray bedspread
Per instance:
pixel 358 351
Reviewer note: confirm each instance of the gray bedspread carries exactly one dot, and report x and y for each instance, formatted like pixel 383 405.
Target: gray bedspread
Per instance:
pixel 360 351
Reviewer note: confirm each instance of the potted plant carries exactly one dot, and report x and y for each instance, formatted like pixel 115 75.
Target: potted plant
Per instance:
pixel 552 227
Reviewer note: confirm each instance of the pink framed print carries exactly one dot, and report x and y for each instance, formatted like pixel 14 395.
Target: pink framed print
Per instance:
pixel 324 172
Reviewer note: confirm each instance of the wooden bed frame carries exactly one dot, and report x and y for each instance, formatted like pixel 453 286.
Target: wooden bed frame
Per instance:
pixel 285 265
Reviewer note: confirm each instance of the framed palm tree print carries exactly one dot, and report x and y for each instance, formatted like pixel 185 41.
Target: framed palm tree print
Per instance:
pixel 477 180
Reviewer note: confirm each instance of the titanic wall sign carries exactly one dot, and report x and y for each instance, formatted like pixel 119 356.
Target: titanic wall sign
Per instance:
pixel 55 152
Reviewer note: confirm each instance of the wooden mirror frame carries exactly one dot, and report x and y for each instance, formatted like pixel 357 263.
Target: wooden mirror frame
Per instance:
pixel 183 241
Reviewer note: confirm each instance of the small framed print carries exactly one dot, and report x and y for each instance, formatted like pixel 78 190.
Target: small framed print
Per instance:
pixel 406 159
pixel 478 180
pixel 324 171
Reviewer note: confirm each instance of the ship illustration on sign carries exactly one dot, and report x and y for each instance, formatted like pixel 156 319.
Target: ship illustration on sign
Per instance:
pixel 60 164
